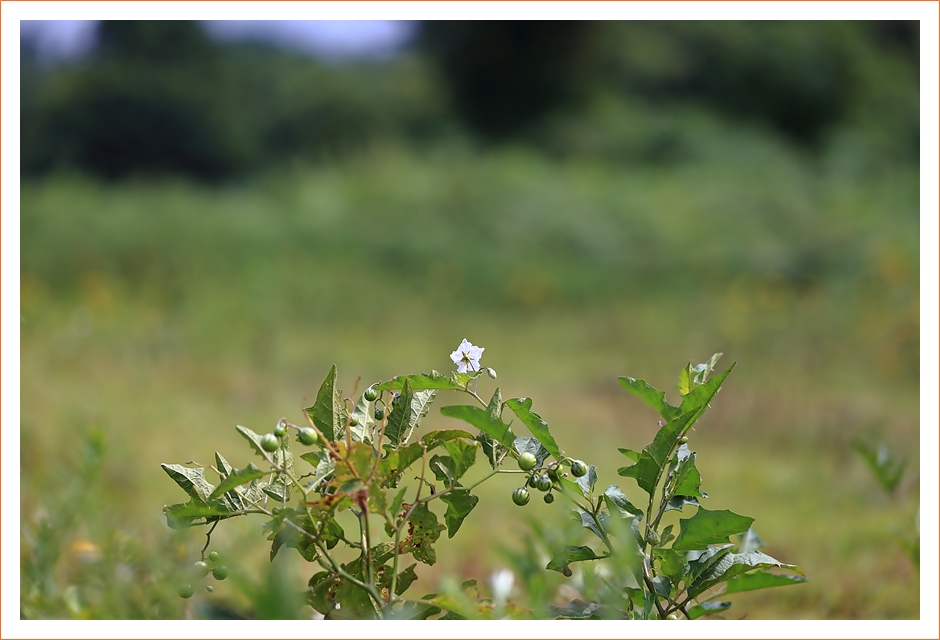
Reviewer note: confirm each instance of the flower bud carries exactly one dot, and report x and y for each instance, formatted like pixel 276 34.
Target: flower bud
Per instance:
pixel 491 373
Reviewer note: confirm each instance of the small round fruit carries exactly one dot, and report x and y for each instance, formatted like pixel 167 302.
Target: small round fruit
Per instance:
pixel 549 498
pixel 370 395
pixel 353 421
pixel 543 482
pixel 270 442
pixel 220 572
pixel 280 430
pixel 683 440
pixel 552 474
pixel 520 496
pixel 578 468
pixel 653 538
pixel 307 436
pixel 186 590
pixel 378 413
pixel 527 461
pixel 213 556
pixel 201 568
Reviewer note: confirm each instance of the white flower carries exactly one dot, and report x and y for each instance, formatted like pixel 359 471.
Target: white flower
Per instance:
pixel 501 583
pixel 467 356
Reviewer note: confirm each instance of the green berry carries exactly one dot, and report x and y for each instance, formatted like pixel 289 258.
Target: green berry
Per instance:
pixel 213 556
pixel 549 498
pixel 520 496
pixel 653 538
pixel 370 395
pixel 378 413
pixel 307 436
pixel 683 440
pixel 201 568
pixel 280 430
pixel 270 442
pixel 527 461
pixel 553 474
pixel 353 421
pixel 186 590
pixel 220 572
pixel 578 468
pixel 543 482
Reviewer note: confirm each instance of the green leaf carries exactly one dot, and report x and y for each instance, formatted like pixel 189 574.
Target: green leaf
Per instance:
pixel 329 410
pixel 533 446
pixel 670 564
pixel 424 530
pixel 588 522
pixel 191 480
pixel 408 408
pixel 688 481
pixel 495 406
pixel 179 516
pixel 459 504
pixel 405 579
pixel 616 498
pixel 435 438
pixel 569 554
pixel 707 608
pixel 586 482
pixel 702 371
pixel 700 561
pixel 522 407
pixel 709 527
pixel 578 610
pixel 630 453
pixel 678 502
pixel 701 395
pixel 433 380
pixel 662 586
pixel 222 464
pixel 482 420
pixel 748 541
pixel 760 580
pixel 645 472
pixel 653 397
pixel 277 491
pixel 322 462
pixel 253 439
pixel 235 478
pixel 396 503
pixel 686 380
pixel 734 564
pixel 463 454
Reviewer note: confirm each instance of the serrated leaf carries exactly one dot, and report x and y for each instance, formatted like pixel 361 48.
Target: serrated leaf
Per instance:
pixel 734 564
pixel 569 554
pixel 235 478
pixel 651 396
pixel 707 608
pixel 433 380
pixel 179 516
pixel 459 504
pixel 587 481
pixel 760 580
pixel 482 420
pixel 709 527
pixel 532 445
pixel 329 410
pixel 616 498
pixel 191 480
pixel 522 407
pixel 223 464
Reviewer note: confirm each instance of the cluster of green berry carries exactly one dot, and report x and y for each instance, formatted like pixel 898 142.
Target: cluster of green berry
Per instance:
pixel 201 568
pixel 543 478
pixel 272 441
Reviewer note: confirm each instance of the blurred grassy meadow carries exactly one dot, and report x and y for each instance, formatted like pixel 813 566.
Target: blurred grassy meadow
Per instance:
pixel 160 310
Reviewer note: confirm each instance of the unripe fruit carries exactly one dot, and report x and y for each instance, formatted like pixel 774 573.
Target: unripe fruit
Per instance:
pixel 220 572
pixel 270 442
pixel 280 430
pixel 201 568
pixel 520 496
pixel 683 440
pixel 549 498
pixel 307 436
pixel 370 395
pixel 213 556
pixel 353 421
pixel 378 413
pixel 186 590
pixel 527 461
pixel 553 474
pixel 653 538
pixel 543 482
pixel 578 468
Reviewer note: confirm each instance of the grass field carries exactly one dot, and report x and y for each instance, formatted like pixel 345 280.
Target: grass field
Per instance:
pixel 157 316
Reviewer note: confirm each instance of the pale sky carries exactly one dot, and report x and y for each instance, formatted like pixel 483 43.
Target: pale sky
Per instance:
pixel 336 39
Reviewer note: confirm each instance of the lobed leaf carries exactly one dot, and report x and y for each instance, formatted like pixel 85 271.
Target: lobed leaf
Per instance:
pixel 179 516
pixel 433 380
pixel 569 554
pixel 616 498
pixel 482 420
pixel 192 480
pixel 653 397
pixel 522 407
pixel 709 527
pixel 459 504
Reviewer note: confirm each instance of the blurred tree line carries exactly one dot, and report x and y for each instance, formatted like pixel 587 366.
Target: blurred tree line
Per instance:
pixel 160 97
